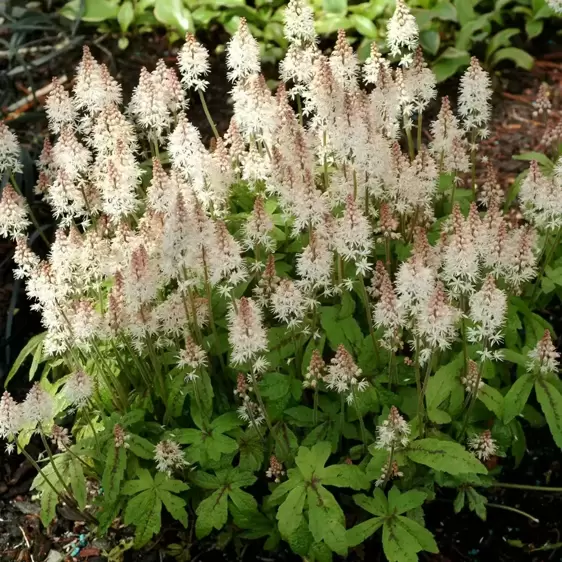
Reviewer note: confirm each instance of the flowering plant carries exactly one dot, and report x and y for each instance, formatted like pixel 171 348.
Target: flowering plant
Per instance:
pixel 302 303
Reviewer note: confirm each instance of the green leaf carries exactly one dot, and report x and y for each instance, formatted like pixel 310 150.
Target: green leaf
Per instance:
pixel 77 482
pixel 518 56
pixel 251 451
pixel 275 386
pixel 174 14
pixel 397 543
pixel 514 357
pixel 174 505
pixel 114 471
pixel 326 520
pixel 541 158
pixel 334 6
pixel 516 398
pixel 500 39
pixel 363 531
pixel 450 62
pixel 226 422
pixel 30 347
pixel 301 415
pixel 143 511
pixel 441 384
pixel 94 10
pixel 492 399
pixel 550 400
pixel 345 476
pixel 377 505
pixel 140 446
pixel 407 501
pixel 244 502
pixel 212 513
pixel 446 456
pixel 126 15
pixel 364 26
pixel 49 502
pixel 459 501
pixel 476 503
pixel 465 11
pixel 421 534
pixel 430 41
pixel 289 514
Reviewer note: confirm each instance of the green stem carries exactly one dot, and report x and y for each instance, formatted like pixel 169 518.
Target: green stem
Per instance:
pixel 52 460
pixel 360 417
pixel 369 316
pixel 31 213
pixel 549 254
pixel 299 108
pixel 411 150
pixel 208 114
pixel 38 469
pixel 266 416
pixel 473 161
pixel 513 510
pixel 420 123
pixel 389 467
pixel 528 487
pixel 421 408
pixel 315 411
pixel 91 425
pixel 342 416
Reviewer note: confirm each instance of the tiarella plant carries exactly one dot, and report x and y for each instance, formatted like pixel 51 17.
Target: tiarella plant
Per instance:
pixel 323 302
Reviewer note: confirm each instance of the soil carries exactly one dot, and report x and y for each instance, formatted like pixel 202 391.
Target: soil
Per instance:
pixel 506 536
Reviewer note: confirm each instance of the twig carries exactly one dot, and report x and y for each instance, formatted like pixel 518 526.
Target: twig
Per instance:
pixel 27 543
pixel 40 93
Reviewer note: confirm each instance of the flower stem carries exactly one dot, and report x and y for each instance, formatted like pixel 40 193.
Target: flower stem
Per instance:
pixel 369 317
pixel 208 114
pixel 52 460
pixel 38 469
pixel 420 123
pixel 529 487
pixel 513 510
pixel 31 213
pixel 315 411
pixel 361 422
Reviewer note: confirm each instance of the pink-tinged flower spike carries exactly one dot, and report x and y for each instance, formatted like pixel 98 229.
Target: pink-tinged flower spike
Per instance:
pixel 193 60
pixel 472 381
pixel 488 307
pixel 70 155
pixel 393 432
pixel 315 372
pixel 169 457
pixel 420 82
pixel 288 303
pixel 78 388
pixel 402 33
pixel 26 260
pixel 316 262
pixel 474 99
pixel 353 236
pixel 540 199
pixel 436 323
pixel 258 227
pixel 461 266
pixel 9 151
pixel 387 314
pixel 38 406
pixel 448 144
pixel 242 54
pixel 299 23
pixel 483 446
pixel 246 333
pixel 225 259
pixel 191 358
pixel 94 87
pixel 13 213
pixel 275 470
pixel 544 357
pixel 59 108
pixel 344 63
pixel 344 376
pixel 60 437
pixel 522 252
pixel 11 416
